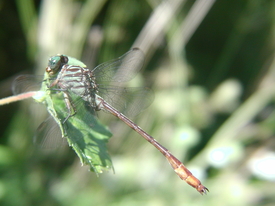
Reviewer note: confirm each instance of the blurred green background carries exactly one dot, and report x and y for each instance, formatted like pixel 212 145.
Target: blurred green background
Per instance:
pixel 211 66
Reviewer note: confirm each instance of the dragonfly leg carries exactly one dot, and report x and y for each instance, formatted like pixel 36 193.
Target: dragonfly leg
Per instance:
pixel 69 105
pixel 57 90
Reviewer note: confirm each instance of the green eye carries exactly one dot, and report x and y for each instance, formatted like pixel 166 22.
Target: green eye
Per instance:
pixel 57 62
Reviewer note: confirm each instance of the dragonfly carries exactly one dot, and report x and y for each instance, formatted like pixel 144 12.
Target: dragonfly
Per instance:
pixel 96 88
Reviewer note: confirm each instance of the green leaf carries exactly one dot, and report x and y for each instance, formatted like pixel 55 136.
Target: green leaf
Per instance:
pixel 84 133
pixel 76 62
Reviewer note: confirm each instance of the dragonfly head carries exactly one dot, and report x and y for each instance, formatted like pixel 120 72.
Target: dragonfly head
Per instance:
pixel 56 63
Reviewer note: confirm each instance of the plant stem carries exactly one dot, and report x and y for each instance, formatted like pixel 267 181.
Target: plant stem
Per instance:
pixel 18 97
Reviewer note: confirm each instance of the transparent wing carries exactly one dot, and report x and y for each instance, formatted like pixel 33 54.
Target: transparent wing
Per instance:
pixel 26 83
pixel 129 100
pixel 48 135
pixel 121 69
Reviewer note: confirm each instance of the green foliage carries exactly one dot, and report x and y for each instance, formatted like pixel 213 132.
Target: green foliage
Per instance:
pixel 84 133
pixel 211 67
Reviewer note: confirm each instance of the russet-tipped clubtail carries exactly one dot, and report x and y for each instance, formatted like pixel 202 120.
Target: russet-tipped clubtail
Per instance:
pixel 91 86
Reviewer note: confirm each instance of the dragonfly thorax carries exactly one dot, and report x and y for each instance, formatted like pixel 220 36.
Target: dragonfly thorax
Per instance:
pixel 77 80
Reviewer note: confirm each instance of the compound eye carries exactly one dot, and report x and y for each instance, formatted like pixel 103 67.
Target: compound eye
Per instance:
pixel 64 60
pixel 56 63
